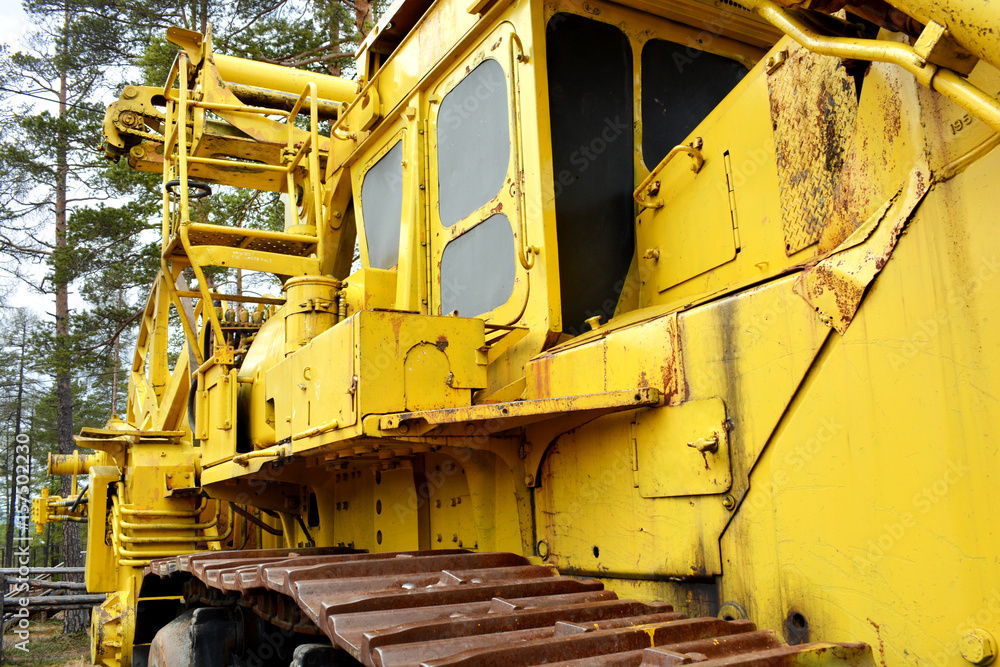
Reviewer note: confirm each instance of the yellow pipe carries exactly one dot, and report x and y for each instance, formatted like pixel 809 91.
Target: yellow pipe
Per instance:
pixel 133 512
pixel 166 553
pixel 235 163
pixel 72 464
pixel 316 430
pixel 275 451
pixel 242 108
pixel 170 526
pixel 284 79
pixel 945 81
pixel 120 538
pixel 162 539
pixel 119 501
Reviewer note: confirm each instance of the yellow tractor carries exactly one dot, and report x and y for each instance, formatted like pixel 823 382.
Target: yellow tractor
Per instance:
pixel 673 340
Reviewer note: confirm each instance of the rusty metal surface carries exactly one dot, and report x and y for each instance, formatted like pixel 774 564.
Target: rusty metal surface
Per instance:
pixel 835 286
pixel 813 107
pixel 462 609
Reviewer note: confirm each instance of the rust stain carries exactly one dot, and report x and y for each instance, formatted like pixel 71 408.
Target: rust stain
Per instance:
pixel 442 343
pixel 881 643
pixel 836 286
pixel 846 292
pixel 813 109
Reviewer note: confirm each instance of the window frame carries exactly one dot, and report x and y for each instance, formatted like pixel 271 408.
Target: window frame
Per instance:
pixel 497 46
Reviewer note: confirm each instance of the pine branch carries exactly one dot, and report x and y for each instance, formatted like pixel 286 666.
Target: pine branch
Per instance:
pixel 110 341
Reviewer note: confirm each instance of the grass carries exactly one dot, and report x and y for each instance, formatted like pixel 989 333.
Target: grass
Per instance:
pixel 48 647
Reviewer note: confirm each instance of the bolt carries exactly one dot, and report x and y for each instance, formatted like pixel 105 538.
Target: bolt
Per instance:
pixel 729 502
pixel 978 647
pixel 454 537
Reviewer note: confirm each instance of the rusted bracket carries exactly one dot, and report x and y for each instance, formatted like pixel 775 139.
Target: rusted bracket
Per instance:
pixel 836 285
pixel 498 417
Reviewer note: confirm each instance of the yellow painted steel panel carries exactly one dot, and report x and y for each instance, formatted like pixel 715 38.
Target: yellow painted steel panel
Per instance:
pixel 683 450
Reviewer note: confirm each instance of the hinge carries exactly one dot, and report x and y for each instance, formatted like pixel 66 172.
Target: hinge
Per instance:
pixel 425 142
pixel 732 199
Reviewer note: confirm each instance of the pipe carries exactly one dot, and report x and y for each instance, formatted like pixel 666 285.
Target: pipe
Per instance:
pixel 945 81
pixel 72 464
pixel 276 99
pixel 276 451
pixel 170 526
pixel 283 79
pixel 255 521
pixel 120 538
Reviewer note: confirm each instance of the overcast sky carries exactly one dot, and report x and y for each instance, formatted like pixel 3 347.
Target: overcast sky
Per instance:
pixel 13 22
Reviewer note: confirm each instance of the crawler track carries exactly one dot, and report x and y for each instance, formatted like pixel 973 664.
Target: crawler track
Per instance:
pixel 461 609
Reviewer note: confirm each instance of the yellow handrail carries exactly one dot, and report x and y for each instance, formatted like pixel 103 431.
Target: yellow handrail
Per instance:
pixel 693 150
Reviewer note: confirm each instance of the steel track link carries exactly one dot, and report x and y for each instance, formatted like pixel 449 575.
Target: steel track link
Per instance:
pixel 463 609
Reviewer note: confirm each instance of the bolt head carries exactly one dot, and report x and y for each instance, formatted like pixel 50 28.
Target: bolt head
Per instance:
pixel 978 647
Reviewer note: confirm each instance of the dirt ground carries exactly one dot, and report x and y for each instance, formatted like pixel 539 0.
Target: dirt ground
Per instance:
pixel 47 646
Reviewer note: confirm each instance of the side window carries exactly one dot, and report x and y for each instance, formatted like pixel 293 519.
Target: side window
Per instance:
pixel 473 142
pixel 590 109
pixel 680 86
pixel 474 154
pixel 477 268
pixel 382 208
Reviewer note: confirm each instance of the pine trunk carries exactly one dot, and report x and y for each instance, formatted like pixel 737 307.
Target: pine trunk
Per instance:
pixel 363 15
pixel 73 621
pixel 8 553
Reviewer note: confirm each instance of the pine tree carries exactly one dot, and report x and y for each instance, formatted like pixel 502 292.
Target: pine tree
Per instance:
pixel 45 155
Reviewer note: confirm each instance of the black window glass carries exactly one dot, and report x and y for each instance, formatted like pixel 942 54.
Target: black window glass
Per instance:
pixel 680 86
pixel 590 102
